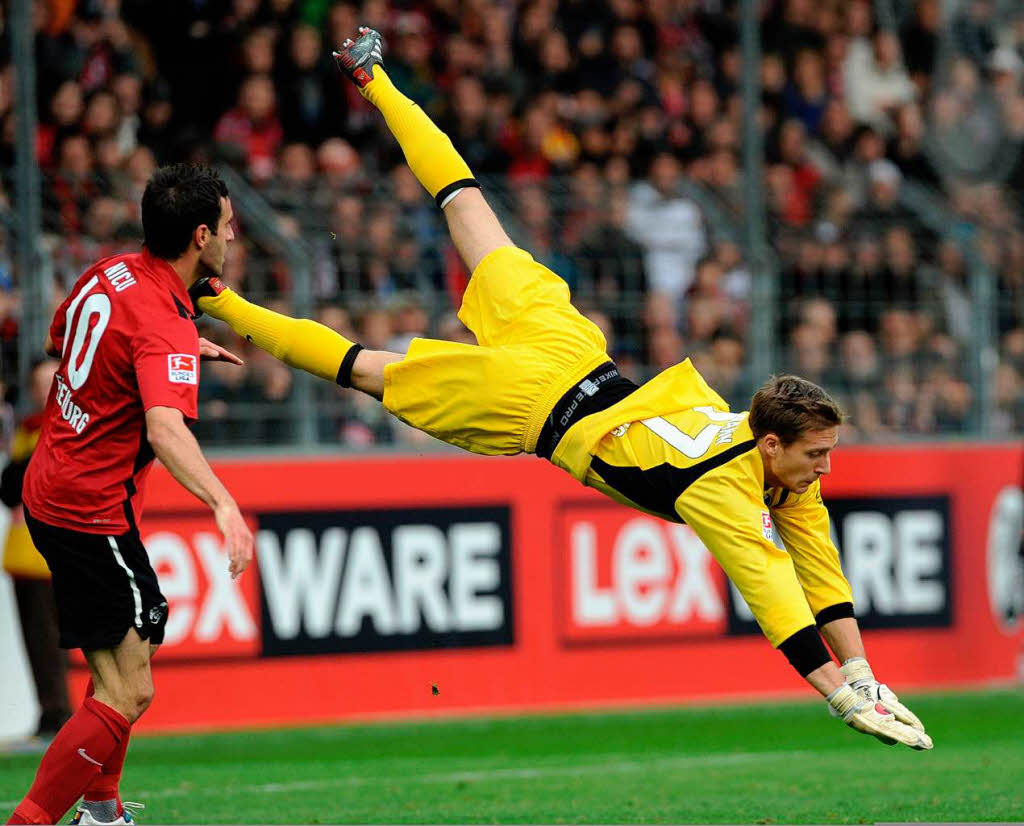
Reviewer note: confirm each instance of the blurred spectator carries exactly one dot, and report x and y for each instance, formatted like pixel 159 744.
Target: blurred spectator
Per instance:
pixel 876 82
pixel 33 590
pixel 251 132
pixel 312 100
pixel 669 227
pixel 920 40
pixel 610 137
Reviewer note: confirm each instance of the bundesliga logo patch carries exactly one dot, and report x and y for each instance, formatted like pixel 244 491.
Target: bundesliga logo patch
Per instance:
pixel 181 368
pixel 766 525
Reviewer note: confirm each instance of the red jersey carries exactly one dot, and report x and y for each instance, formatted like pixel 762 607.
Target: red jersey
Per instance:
pixel 127 343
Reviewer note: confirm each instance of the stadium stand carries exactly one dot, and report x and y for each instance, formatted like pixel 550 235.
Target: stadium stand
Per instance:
pixel 610 135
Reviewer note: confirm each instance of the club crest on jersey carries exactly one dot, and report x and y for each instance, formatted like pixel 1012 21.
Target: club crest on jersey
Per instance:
pixel 181 368
pixel 766 526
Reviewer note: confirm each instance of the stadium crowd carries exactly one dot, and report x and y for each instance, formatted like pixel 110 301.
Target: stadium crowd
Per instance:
pixel 603 130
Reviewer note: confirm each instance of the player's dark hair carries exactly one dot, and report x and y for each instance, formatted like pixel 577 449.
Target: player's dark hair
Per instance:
pixel 790 406
pixel 179 198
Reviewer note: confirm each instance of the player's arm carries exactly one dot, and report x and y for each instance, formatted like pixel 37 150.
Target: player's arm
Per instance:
pixel 298 342
pixel 178 450
pixel 804 528
pixel 50 348
pixel 728 520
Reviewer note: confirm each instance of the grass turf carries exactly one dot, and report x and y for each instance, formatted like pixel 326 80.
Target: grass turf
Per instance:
pixel 738 764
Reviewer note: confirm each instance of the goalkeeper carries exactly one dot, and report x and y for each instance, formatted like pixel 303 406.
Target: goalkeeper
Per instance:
pixel 541 382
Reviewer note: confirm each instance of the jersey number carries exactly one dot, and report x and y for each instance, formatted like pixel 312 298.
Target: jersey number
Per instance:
pixel 692 447
pixel 81 327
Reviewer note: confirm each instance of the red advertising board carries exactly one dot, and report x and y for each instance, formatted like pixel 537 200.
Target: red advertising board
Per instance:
pixel 210 614
pixel 625 575
pixel 510 587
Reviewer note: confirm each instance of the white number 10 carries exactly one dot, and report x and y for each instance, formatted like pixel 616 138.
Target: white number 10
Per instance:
pixel 80 327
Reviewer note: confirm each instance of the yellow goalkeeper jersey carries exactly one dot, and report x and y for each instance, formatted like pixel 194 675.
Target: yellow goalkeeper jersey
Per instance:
pixel 672 448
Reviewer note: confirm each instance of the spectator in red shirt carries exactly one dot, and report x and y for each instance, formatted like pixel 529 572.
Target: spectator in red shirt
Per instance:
pixel 251 132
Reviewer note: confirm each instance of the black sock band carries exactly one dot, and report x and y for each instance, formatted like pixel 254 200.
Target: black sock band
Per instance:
pixel 805 650
pixel 344 378
pixel 445 191
pixel 841 610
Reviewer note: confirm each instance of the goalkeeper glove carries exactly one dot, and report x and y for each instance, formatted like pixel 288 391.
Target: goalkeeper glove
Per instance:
pixel 872 718
pixel 860 678
pixel 209 286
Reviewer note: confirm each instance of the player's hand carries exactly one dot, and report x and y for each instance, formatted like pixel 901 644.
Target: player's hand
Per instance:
pixel 238 540
pixel 208 351
pixel 861 679
pixel 208 287
pixel 874 719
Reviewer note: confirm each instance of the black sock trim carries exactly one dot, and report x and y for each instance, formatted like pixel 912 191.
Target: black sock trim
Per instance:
pixel 805 650
pixel 841 610
pixel 344 378
pixel 452 187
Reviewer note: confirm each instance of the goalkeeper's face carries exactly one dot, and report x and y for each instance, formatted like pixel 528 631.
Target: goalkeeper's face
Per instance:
pixel 799 465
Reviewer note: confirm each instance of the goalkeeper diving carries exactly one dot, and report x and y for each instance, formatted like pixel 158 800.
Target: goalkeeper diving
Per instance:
pixel 540 381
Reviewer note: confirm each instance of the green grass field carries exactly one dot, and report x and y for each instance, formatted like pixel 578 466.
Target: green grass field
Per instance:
pixel 739 764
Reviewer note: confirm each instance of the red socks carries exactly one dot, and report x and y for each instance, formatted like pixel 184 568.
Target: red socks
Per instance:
pixel 105 785
pixel 85 744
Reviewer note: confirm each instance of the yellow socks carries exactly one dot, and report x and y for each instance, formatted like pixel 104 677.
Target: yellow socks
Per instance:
pixel 298 342
pixel 428 150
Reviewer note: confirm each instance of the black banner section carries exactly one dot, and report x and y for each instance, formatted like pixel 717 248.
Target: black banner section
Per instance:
pixel 896 553
pixel 385 580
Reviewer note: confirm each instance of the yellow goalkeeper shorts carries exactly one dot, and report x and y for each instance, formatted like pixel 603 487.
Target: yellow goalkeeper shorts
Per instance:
pixel 493 398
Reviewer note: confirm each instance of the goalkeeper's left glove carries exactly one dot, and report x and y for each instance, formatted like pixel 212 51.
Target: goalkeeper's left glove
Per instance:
pixel 861 679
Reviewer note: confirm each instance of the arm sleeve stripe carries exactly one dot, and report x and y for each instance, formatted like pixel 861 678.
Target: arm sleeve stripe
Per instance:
pixel 805 650
pixel 840 610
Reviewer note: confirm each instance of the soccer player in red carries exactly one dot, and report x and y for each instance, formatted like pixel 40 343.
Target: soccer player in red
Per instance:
pixel 125 392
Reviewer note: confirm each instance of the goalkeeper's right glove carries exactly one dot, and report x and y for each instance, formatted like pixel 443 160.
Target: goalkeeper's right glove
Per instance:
pixel 873 718
pixel 861 679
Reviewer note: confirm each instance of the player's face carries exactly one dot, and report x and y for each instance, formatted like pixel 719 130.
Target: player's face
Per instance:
pixel 799 465
pixel 211 258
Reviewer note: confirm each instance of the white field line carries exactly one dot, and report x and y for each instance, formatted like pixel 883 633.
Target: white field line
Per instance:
pixel 522 773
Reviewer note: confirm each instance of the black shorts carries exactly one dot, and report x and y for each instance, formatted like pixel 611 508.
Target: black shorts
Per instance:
pixel 104 586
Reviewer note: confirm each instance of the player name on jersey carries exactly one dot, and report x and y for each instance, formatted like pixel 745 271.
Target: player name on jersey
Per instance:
pixel 70 412
pixel 120 277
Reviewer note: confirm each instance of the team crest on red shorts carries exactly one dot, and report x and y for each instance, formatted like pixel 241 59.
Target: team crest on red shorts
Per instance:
pixel 181 368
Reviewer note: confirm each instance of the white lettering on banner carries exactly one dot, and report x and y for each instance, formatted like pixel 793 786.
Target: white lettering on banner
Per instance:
pixel 695 592
pixel 640 565
pixel 919 538
pixel 169 554
pixel 366 588
pixel 644 589
pixel 301 584
pixel 475 548
pixel 421 566
pixel 889 561
pixel 336 586
pixel 592 605
pixel 222 608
